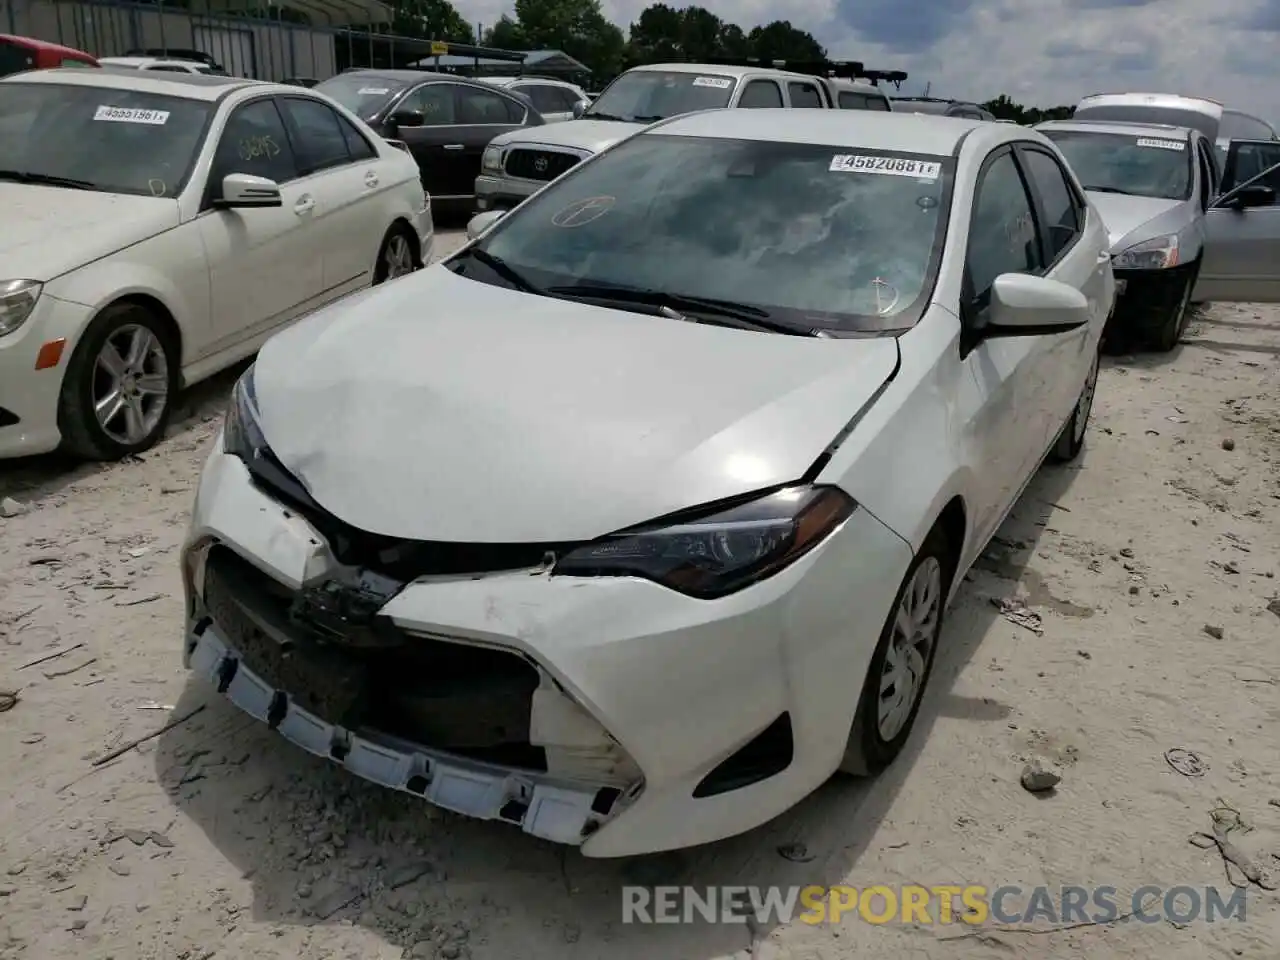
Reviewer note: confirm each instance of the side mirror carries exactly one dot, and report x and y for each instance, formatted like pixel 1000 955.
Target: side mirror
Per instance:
pixel 580 108
pixel 482 222
pixel 1254 195
pixel 407 118
pixel 1027 306
pixel 241 190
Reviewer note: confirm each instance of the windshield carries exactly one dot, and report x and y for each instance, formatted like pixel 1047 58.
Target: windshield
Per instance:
pixel 15 58
pixel 1151 166
pixel 1141 113
pixel 362 94
pixel 115 141
pixel 923 106
pixel 853 100
pixel 820 238
pixel 645 96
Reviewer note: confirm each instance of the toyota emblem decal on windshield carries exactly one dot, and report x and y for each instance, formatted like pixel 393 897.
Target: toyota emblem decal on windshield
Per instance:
pixel 581 212
pixel 540 165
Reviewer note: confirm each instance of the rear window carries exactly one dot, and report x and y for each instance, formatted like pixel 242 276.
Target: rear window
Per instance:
pixel 15 58
pixel 923 106
pixel 1241 126
pixel 849 100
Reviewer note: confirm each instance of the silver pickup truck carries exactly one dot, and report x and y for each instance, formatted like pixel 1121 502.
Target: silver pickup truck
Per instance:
pixel 520 163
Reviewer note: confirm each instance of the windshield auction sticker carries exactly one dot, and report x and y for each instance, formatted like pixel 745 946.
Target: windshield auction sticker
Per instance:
pixel 372 91
pixel 892 166
pixel 1162 144
pixel 581 212
pixel 156 118
pixel 720 83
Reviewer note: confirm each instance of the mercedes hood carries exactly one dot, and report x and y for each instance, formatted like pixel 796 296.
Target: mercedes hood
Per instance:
pixel 442 408
pixel 49 231
pixel 1130 219
pixel 590 136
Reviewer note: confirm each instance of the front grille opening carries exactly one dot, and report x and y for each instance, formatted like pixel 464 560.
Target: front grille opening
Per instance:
pixel 470 701
pixel 401 559
pixel 768 754
pixel 539 164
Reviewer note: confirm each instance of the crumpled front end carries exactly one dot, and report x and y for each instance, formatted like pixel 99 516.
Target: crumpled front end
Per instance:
pixel 612 714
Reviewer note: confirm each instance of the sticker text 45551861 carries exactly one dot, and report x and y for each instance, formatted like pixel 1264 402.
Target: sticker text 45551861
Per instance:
pixel 890 166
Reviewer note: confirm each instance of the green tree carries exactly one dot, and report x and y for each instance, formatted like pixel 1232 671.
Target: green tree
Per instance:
pixel 781 41
pixel 431 20
pixel 505 34
pixel 577 27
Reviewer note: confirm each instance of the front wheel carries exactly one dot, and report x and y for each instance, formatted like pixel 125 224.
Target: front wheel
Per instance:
pixel 1175 322
pixel 902 662
pixel 396 256
pixel 1071 441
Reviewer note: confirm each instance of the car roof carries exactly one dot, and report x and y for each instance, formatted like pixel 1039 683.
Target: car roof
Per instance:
pixel 152 61
pixel 868 129
pixel 192 86
pixel 45 45
pixel 718 69
pixel 1131 129
pixel 1168 101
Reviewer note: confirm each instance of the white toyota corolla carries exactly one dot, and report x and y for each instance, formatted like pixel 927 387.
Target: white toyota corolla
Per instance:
pixel 636 519
pixel 158 227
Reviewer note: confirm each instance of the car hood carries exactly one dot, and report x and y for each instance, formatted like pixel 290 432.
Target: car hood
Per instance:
pixel 1131 219
pixel 442 408
pixel 591 136
pixel 48 231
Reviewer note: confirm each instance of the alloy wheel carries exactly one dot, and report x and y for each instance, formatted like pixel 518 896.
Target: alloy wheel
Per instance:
pixel 915 627
pixel 398 258
pixel 130 384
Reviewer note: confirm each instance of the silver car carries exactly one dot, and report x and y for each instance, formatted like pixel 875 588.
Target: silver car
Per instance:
pixel 1176 227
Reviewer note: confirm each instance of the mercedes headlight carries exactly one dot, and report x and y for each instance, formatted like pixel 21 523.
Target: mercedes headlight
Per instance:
pixel 17 300
pixel 715 554
pixel 492 159
pixel 1158 253
pixel 241 435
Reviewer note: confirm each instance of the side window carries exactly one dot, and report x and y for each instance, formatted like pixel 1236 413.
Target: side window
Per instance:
pixel 1062 222
pixel 1206 174
pixel 357 145
pixel 165 69
pixel 434 101
pixel 1002 234
pixel 320 143
pixel 968 114
pixel 1250 159
pixel 567 98
pixel 760 94
pixel 803 94
pixel 68 62
pixel 254 142
pixel 545 99
pixel 478 107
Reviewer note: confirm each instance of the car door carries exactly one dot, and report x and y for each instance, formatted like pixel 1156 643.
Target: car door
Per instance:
pixel 1076 252
pixel 1008 424
pixel 1241 261
pixel 265 263
pixel 438 144
pixel 341 168
pixel 483 113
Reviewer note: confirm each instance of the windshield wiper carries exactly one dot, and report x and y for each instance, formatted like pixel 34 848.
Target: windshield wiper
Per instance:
pixel 1095 189
pixel 593 115
pixel 740 315
pixel 24 176
pixel 502 269
pixel 650 119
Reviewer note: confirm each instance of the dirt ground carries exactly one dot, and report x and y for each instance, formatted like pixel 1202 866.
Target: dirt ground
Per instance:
pixel 1148 569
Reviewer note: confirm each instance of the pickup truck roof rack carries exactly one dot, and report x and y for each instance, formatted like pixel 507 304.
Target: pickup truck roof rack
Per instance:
pixel 844 69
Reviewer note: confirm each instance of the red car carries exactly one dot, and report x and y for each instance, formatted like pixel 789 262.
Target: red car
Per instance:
pixel 24 53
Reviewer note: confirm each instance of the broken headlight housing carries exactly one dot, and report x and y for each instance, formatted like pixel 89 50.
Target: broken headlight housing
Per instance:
pixel 241 435
pixel 713 554
pixel 1158 253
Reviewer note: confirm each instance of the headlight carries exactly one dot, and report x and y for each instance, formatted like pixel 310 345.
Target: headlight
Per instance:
pixel 716 554
pixel 1159 253
pixel 241 435
pixel 17 300
pixel 492 159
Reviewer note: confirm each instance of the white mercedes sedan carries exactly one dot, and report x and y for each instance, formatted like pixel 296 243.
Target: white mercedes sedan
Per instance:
pixel 637 518
pixel 157 227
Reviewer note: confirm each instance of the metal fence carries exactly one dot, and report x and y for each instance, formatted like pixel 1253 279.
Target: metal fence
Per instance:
pixel 268 43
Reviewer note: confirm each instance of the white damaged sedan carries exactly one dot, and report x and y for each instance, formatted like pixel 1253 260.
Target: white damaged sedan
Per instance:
pixel 636 519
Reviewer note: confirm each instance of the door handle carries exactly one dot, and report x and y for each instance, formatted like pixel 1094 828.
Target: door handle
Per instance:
pixel 1104 256
pixel 453 146
pixel 370 179
pixel 304 205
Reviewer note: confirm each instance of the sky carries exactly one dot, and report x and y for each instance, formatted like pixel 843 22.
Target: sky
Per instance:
pixel 1041 52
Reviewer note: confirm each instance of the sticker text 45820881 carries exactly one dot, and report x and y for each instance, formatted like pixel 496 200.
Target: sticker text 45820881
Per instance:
pixel 890 166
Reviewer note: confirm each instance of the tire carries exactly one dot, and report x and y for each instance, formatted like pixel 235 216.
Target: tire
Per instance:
pixel 1071 440
pixel 871 747
pixel 1175 322
pixel 397 256
pixel 145 366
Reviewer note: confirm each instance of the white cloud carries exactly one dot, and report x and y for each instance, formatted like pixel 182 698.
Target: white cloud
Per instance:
pixel 1044 52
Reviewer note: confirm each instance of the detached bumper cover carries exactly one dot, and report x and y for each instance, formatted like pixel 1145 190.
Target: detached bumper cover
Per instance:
pixel 559 813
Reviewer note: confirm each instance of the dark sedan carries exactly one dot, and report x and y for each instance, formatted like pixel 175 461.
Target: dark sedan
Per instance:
pixel 446 121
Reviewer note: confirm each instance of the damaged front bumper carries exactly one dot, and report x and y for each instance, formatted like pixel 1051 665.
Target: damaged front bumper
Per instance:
pixel 612 714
